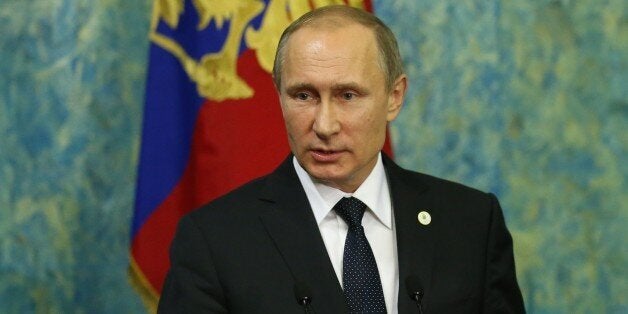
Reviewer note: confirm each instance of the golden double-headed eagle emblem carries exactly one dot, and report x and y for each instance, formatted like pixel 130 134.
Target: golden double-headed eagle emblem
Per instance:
pixel 215 74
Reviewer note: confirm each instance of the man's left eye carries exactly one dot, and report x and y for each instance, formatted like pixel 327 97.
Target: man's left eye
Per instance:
pixel 348 96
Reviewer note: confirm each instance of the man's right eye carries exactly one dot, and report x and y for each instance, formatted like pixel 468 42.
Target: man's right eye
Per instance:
pixel 302 96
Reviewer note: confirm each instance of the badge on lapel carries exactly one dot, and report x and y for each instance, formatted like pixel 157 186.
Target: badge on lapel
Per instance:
pixel 424 218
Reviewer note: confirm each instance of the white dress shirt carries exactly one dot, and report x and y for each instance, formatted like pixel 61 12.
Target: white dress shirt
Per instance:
pixel 378 225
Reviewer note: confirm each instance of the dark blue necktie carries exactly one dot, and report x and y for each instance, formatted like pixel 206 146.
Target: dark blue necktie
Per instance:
pixel 360 278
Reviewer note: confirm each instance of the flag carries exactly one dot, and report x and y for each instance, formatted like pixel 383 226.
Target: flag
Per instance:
pixel 212 119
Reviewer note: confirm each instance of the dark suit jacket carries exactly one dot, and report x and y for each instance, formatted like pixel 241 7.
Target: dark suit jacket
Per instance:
pixel 244 252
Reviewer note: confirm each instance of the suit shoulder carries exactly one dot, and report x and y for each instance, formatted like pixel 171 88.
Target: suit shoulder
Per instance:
pixel 440 183
pixel 238 202
pixel 422 181
pixel 446 190
pixel 432 181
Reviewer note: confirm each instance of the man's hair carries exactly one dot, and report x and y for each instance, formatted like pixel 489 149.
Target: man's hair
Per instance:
pixel 335 16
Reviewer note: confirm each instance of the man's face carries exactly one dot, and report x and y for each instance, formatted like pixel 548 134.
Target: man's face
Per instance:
pixel 335 103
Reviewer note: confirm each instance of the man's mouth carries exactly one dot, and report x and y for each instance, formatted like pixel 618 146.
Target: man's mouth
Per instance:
pixel 322 155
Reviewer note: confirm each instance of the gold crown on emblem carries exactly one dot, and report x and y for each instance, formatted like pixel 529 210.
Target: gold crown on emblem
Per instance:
pixel 215 74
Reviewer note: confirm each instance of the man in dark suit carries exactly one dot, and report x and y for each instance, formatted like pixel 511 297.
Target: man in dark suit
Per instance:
pixel 338 227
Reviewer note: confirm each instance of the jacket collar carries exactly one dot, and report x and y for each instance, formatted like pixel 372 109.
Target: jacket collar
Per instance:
pixel 415 241
pixel 292 227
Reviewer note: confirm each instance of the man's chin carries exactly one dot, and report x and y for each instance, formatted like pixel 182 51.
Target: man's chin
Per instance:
pixel 323 173
pixel 327 175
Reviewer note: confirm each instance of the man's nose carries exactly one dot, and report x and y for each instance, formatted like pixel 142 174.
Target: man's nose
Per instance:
pixel 326 122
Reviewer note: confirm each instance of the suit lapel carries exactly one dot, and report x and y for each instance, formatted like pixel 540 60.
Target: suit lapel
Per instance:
pixel 290 223
pixel 415 242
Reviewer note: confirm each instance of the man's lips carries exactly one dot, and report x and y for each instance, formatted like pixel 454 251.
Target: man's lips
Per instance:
pixel 323 155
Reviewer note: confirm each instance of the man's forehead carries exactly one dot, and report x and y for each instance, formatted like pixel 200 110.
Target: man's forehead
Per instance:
pixel 331 21
pixel 331 49
pixel 342 27
pixel 354 37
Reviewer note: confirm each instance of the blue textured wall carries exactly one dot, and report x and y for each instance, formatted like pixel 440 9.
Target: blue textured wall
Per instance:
pixel 527 99
pixel 71 89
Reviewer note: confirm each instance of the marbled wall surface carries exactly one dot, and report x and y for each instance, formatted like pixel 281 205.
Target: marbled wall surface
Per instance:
pixel 71 89
pixel 529 100
pixel 526 99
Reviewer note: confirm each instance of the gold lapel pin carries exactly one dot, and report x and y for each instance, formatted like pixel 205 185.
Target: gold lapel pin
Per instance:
pixel 424 218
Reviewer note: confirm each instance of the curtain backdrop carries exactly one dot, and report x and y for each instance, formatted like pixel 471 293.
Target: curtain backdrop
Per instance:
pixel 525 99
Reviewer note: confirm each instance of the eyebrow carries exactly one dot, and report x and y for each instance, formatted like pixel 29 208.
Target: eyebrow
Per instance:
pixel 351 85
pixel 298 87
pixel 335 88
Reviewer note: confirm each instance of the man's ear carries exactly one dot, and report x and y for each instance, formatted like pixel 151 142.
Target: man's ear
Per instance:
pixel 396 96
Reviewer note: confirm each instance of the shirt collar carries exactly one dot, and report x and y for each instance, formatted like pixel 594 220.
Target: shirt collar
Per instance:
pixel 373 192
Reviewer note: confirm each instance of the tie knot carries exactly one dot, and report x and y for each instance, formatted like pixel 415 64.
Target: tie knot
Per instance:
pixel 351 210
